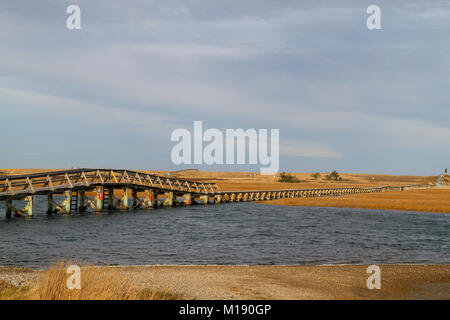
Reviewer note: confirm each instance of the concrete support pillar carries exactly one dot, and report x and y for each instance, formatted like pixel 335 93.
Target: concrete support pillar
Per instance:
pixel 147 203
pixel 8 203
pixel 99 199
pixel 153 198
pixel 124 200
pixel 66 205
pixel 170 201
pixel 29 207
pixel 205 199
pixel 188 199
pixel 150 198
pixel 218 198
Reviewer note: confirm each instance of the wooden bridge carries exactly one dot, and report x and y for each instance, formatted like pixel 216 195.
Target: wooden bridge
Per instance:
pixel 82 189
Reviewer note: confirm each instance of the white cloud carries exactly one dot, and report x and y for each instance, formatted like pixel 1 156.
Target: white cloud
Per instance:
pixel 306 149
pixel 59 108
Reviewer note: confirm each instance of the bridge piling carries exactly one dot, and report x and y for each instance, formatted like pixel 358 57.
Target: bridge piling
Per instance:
pixel 135 200
pixel 8 203
pixel 98 199
pixel 110 198
pixel 187 199
pixel 170 200
pixel 82 206
pixel 50 203
pixel 66 203
pixel 29 206
pixel 124 200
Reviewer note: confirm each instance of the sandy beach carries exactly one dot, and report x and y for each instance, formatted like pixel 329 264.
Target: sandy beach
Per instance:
pixel 276 282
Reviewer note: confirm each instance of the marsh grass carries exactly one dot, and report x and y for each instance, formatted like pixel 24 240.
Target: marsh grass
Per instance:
pixel 97 283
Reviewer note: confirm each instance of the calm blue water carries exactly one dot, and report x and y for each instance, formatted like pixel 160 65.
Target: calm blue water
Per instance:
pixel 239 233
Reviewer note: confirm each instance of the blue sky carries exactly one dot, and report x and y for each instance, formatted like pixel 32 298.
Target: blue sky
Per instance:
pixel 110 94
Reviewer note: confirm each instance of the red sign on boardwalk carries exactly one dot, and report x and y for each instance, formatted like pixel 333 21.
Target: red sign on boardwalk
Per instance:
pixel 100 196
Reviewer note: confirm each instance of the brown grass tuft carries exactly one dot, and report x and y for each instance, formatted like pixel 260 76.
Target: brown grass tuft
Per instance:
pixel 96 284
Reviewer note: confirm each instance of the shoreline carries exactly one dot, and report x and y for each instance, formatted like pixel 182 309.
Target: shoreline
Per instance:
pixel 32 269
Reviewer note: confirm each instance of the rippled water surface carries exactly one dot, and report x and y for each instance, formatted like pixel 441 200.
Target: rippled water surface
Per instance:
pixel 237 233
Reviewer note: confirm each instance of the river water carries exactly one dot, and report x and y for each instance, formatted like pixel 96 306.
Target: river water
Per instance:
pixel 235 233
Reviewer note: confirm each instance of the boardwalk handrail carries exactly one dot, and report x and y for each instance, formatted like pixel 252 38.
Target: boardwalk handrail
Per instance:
pixel 43 182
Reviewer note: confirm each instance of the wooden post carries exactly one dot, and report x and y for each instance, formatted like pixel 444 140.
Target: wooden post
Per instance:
pixel 8 208
pixel 111 199
pixel 82 207
pixel 50 203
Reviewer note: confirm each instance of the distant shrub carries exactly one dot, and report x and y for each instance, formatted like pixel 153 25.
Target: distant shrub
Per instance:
pixel 286 177
pixel 315 176
pixel 334 175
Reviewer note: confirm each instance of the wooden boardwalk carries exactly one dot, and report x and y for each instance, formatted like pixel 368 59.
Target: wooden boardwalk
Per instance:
pixel 84 189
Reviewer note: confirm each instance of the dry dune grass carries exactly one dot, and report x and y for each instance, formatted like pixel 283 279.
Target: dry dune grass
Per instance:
pixel 255 181
pixel 96 284
pixel 429 200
